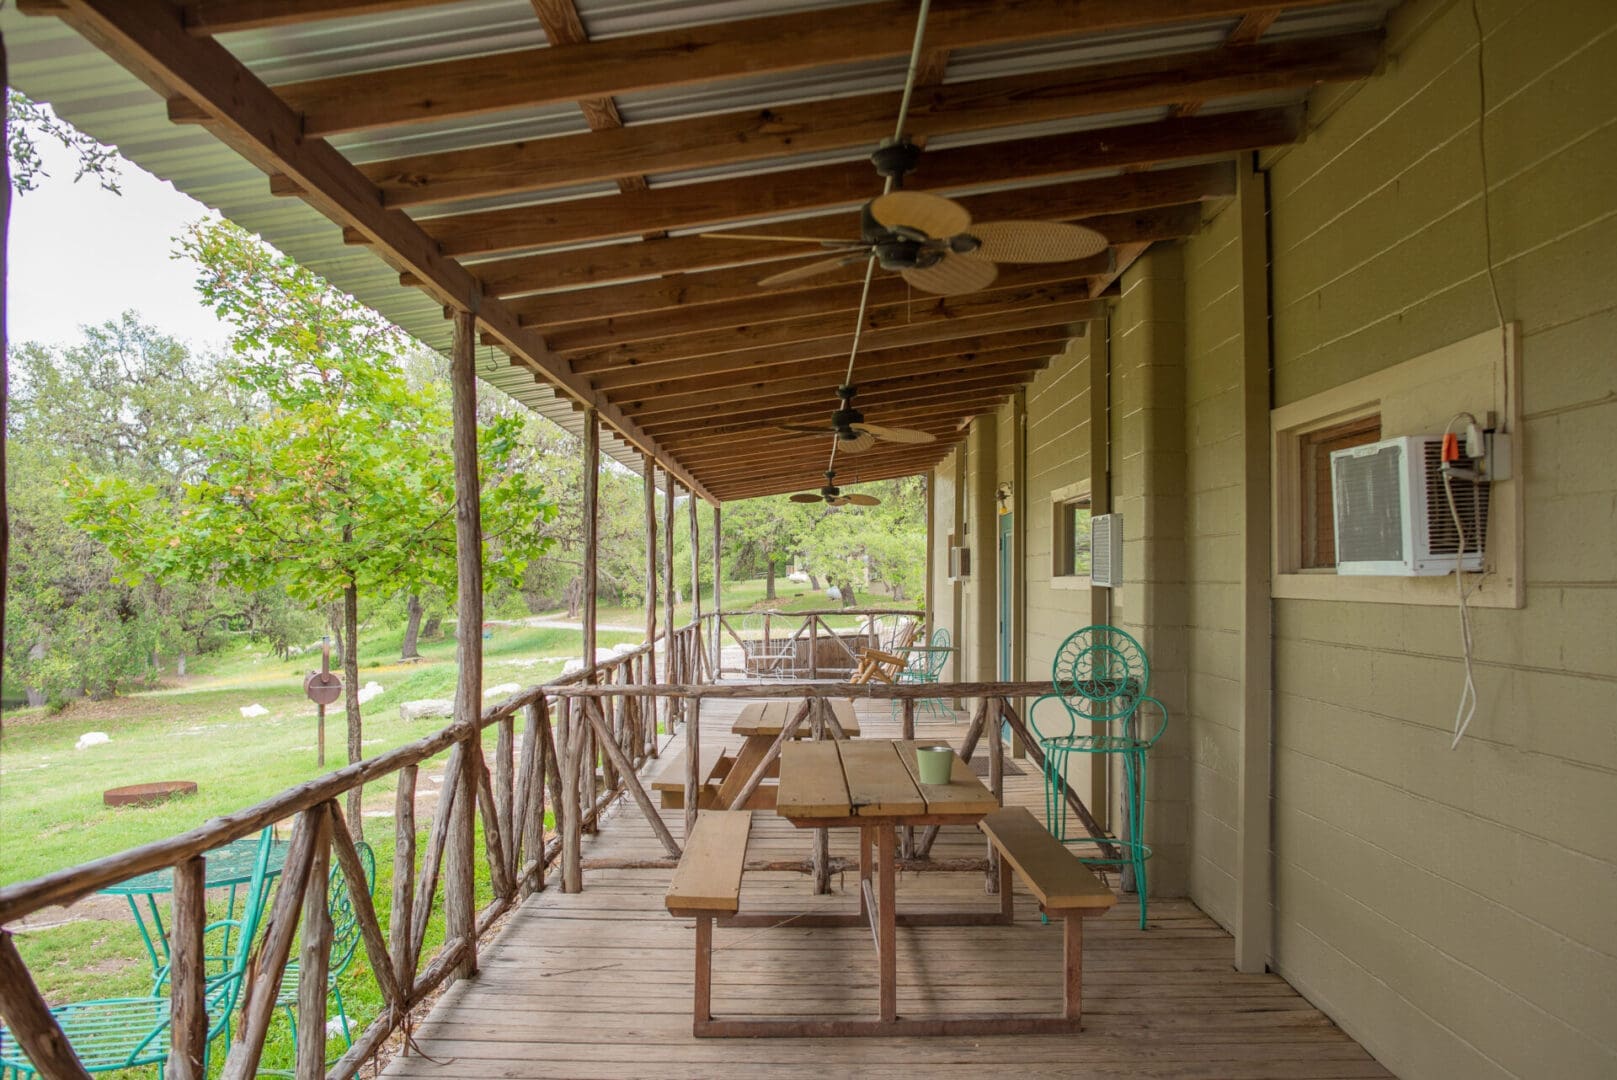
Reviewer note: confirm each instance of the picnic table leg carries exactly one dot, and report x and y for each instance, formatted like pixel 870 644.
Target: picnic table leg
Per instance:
pixel 702 999
pixel 1073 940
pixel 865 876
pixel 888 901
pixel 996 783
pixel 821 859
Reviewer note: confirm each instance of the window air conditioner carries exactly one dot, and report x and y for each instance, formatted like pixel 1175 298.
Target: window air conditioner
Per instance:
pixel 959 562
pixel 1106 551
pixel 1392 517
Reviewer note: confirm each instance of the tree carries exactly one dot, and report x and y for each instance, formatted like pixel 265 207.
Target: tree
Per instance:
pixel 338 487
pixel 28 120
pixel 120 403
pixel 761 534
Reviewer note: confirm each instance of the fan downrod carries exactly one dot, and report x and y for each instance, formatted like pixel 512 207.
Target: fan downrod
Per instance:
pixel 896 158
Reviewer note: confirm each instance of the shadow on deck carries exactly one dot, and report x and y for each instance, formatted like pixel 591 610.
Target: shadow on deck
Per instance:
pixel 598 984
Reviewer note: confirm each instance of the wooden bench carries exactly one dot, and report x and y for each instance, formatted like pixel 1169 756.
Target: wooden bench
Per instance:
pixel 1064 886
pixel 707 885
pixel 669 783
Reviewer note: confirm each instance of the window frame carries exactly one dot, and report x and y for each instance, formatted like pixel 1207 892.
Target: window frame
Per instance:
pixel 1062 536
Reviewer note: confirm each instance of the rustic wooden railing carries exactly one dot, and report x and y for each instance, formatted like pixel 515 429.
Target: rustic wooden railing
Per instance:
pixel 804 628
pixel 996 703
pixel 569 748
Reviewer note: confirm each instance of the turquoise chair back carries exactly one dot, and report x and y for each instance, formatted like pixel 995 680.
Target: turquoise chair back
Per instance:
pixel 1101 673
pixel 345 935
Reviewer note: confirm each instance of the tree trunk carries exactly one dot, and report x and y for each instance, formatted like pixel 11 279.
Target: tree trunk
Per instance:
pixel 434 627
pixel 179 665
pixel 769 585
pixel 350 673
pixel 848 599
pixel 412 630
pixel 36 697
pixel 337 635
pixel 814 581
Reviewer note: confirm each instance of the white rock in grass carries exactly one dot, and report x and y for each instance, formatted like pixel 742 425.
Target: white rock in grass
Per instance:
pixel 572 666
pixel 505 689
pixel 92 738
pixel 368 691
pixel 430 707
pixel 625 647
pixel 255 709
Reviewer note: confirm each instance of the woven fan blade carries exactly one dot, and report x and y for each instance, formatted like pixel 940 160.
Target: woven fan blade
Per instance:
pixel 804 497
pixel 808 270
pixel 931 214
pixel 953 275
pixel 1035 242
pixel 857 445
pixel 864 500
pixel 896 434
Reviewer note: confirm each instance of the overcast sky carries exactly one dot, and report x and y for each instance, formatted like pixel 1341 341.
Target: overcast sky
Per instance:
pixel 80 255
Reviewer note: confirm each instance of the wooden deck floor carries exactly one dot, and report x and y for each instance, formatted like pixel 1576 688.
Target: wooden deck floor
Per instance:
pixel 598 984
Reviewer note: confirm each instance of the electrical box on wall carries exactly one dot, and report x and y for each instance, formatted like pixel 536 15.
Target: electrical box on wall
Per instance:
pixel 1106 551
pixel 959 562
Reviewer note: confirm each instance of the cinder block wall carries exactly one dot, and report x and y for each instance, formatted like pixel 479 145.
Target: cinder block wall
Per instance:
pixel 1456 910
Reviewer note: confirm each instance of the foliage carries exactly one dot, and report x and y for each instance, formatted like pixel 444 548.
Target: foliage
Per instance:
pixel 123 402
pixel 28 121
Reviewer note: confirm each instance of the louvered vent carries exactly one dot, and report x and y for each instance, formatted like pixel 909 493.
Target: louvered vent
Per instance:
pixel 1369 511
pixel 1470 501
pixel 1106 555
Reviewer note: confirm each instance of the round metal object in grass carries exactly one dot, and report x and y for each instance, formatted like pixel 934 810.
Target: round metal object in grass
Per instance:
pixel 151 794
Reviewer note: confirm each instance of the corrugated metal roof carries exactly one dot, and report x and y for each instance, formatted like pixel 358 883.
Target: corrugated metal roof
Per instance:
pixel 50 62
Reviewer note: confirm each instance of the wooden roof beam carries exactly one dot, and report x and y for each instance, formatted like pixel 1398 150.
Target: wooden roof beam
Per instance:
pixel 149 38
pixel 1063 318
pixel 717 51
pixel 829 369
pixel 924 310
pixel 813 392
pixel 822 187
pixel 738 138
pixel 1067 200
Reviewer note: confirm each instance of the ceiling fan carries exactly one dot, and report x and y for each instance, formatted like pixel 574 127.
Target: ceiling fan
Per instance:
pixel 932 242
pixel 832 494
pixel 851 431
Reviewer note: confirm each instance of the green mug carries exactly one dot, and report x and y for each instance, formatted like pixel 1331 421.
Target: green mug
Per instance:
pixel 935 763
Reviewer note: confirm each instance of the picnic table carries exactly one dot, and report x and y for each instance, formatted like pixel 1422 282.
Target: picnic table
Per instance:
pixel 760 725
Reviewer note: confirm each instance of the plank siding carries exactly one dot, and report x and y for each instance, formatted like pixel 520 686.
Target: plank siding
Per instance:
pixel 1457 909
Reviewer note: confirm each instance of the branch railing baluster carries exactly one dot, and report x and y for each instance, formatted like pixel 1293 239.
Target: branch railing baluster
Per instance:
pixel 609 707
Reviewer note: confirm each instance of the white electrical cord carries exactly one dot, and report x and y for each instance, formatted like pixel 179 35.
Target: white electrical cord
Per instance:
pixel 1467 707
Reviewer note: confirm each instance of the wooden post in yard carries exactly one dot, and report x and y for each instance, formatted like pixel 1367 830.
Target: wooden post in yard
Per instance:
pixel 718 599
pixel 648 708
pixel 460 859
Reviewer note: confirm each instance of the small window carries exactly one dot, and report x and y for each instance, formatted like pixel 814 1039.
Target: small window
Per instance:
pixel 1071 545
pixel 1317 521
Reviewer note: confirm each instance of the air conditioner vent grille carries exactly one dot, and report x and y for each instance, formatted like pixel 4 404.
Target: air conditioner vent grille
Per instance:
pixel 1470 500
pixel 1369 513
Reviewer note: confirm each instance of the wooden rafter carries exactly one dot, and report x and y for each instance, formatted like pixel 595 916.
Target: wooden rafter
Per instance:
pixel 1069 200
pixel 611 151
pixel 879 322
pixel 606 373
pixel 778 43
pixel 689 206
pixel 148 37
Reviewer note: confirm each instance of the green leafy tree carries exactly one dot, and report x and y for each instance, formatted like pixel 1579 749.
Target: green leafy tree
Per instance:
pixel 28 121
pixel 338 487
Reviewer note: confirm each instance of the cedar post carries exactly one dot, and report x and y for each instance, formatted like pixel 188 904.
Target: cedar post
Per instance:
pixel 696 567
pixel 315 954
pixel 592 485
pixel 569 810
pixel 400 917
pixel 671 654
pixel 29 1019
pixel 459 903
pixel 649 703
pixel 718 599
pixel 189 1026
pixel 996 779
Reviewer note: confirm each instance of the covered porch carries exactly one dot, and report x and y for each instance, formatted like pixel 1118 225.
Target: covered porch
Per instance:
pixel 1315 217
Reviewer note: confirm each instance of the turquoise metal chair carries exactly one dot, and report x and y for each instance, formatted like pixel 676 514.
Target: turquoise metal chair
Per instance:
pixel 110 1034
pixel 1101 675
pixel 345 939
pixel 924 664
